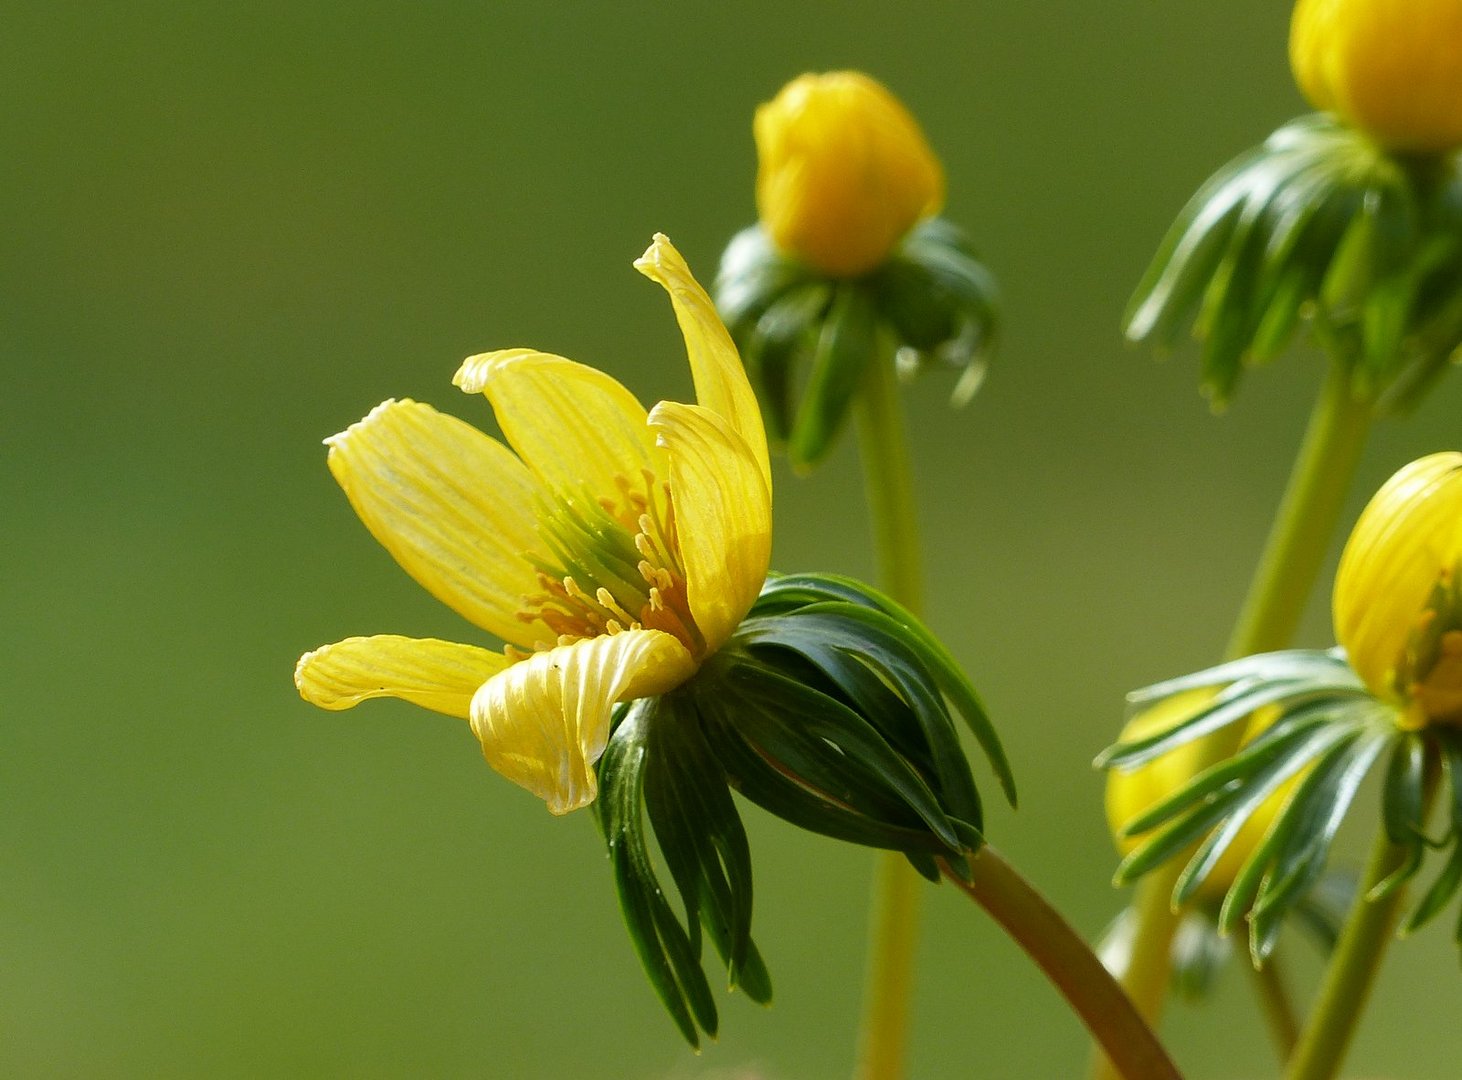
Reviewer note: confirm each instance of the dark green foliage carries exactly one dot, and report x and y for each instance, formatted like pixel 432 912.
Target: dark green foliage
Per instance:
pixel 1331 732
pixel 807 339
pixel 831 708
pixel 1318 225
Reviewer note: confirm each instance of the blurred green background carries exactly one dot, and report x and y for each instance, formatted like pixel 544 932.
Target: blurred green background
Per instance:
pixel 230 230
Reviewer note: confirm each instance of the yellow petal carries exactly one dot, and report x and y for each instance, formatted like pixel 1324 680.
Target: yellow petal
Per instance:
pixel 723 514
pixel 843 171
pixel 452 506
pixel 1391 69
pixel 720 380
pixel 544 721
pixel 576 427
pixel 438 675
pixel 1407 535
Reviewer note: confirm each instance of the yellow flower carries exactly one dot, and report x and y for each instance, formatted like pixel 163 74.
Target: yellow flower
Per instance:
pixel 613 552
pixel 1391 69
pixel 1397 607
pixel 844 171
pixel 1132 793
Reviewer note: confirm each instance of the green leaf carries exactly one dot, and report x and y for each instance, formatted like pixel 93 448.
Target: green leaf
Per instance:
pixel 845 347
pixel 1444 888
pixel 865 652
pixel 764 784
pixel 1187 256
pixel 1302 860
pixel 753 274
pixel 664 950
pixel 1238 799
pixel 831 748
pixel 1402 798
pixel 952 681
pixel 774 346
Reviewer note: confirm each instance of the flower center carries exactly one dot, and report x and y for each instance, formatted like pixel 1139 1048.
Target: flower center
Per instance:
pixel 613 564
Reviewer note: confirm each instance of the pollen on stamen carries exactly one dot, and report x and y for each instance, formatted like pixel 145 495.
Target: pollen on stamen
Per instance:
pixel 609 604
pixel 515 654
pixel 657 602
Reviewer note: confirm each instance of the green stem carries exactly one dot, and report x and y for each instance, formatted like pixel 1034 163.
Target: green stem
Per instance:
pixel 1298 541
pixel 894 933
pixel 888 484
pixel 1305 520
pixel 1274 1000
pixel 1069 963
pixel 1368 930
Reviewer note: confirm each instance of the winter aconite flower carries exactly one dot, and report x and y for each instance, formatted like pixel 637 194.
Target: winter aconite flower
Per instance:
pixel 1392 70
pixel 613 549
pixel 844 172
pixel 1392 692
pixel 1397 605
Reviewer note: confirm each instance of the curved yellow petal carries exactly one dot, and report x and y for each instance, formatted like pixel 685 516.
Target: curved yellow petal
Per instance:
pixel 1391 69
pixel 573 425
pixel 452 506
pixel 723 514
pixel 544 721
pixel 715 366
pixel 843 171
pixel 1408 535
pixel 437 675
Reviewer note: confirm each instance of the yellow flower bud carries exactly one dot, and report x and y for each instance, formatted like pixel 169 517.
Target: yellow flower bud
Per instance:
pixel 1131 793
pixel 1397 607
pixel 843 172
pixel 1391 69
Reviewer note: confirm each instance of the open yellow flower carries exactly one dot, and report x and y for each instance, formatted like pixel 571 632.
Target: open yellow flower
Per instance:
pixel 1393 70
pixel 1398 600
pixel 843 171
pixel 612 549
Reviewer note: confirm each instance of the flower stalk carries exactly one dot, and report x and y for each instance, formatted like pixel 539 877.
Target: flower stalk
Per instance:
pixel 1304 522
pixel 892 512
pixel 1368 931
pixel 1074 970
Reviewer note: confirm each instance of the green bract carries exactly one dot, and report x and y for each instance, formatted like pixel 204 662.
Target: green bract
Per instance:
pixel 807 338
pixel 832 707
pixel 1318 225
pixel 1332 730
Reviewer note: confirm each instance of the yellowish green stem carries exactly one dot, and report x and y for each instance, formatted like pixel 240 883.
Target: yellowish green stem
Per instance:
pixel 894 933
pixel 1293 553
pixel 1069 964
pixel 1368 930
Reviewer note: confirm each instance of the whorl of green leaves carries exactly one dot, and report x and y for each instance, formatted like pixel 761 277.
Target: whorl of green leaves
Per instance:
pixel 1318 225
pixel 832 707
pixel 1330 732
pixel 807 339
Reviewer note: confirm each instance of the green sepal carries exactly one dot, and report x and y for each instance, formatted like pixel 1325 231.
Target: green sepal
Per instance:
pixel 1444 887
pixel 753 275
pixel 846 343
pixel 942 303
pixel 1321 224
pixel 806 339
pixel 1329 732
pixel 665 950
pixel 791 591
pixel 774 346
